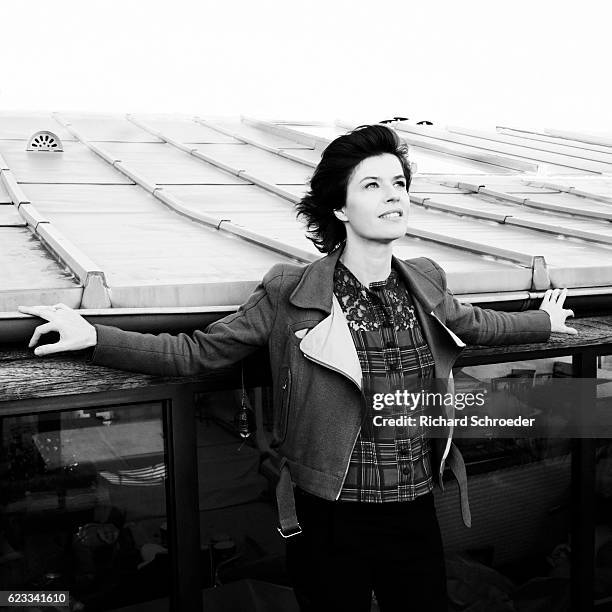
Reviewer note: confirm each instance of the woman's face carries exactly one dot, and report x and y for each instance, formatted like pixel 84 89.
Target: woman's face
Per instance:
pixel 377 201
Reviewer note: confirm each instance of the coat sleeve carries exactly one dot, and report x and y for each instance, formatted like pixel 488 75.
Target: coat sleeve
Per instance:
pixel 476 325
pixel 223 343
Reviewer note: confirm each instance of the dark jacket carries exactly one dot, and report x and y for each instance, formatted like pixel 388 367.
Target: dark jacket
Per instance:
pixel 316 376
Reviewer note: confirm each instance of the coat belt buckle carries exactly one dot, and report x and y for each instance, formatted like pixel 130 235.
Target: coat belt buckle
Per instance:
pixel 289 533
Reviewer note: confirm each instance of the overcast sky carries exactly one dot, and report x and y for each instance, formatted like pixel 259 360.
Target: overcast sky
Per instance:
pixel 496 62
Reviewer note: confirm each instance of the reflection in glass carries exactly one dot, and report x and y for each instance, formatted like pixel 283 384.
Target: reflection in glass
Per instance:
pixel 83 506
pixel 243 556
pixel 603 493
pixel 516 553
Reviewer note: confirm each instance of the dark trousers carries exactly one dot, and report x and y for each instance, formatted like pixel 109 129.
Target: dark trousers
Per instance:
pixel 348 549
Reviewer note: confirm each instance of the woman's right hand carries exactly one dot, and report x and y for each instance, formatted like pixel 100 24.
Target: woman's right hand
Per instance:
pixel 74 331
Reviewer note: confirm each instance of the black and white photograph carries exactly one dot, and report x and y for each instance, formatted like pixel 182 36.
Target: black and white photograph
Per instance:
pixel 305 307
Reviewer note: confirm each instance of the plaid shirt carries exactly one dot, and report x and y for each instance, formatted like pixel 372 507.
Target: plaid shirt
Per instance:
pixel 388 463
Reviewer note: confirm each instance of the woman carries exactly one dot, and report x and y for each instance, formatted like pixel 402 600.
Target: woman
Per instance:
pixel 351 326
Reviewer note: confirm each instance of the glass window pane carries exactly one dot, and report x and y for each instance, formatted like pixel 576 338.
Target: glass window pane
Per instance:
pixel 517 549
pixel 243 556
pixel 83 504
pixel 603 492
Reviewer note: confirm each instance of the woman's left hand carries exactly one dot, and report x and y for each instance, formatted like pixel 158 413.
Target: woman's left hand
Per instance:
pixel 553 305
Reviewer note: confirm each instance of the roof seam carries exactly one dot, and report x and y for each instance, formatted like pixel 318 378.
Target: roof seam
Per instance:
pixel 251 141
pixel 544 158
pixel 84 268
pixel 463 151
pixel 175 204
pixel 567 189
pixel 512 219
pixel 546 147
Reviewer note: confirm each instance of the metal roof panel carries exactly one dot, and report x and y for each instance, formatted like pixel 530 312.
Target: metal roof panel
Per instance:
pixel 575 202
pixel 22 126
pixel 508 183
pixel 105 127
pixel 163 164
pixel 188 130
pixel 134 237
pixel 468 272
pixel 76 164
pixel 493 236
pixel 240 128
pixel 550 147
pixel 202 235
pixel 4 196
pixel 9 217
pixel 436 162
pixel 512 151
pixel 251 207
pixel 533 135
pixel 29 275
pixel 268 166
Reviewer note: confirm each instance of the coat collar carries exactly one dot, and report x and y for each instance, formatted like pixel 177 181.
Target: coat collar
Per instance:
pixel 421 283
pixel 316 287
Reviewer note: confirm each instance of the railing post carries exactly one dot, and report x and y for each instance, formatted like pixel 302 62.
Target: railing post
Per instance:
pixel 583 496
pixel 182 501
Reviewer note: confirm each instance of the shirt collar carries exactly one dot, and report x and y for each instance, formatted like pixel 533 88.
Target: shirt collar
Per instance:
pixel 390 282
pixel 315 288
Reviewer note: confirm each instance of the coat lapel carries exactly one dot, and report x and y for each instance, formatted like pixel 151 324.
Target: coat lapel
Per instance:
pixel 428 293
pixel 330 344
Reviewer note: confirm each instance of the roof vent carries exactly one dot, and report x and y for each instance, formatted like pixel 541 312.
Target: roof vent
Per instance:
pixel 394 120
pixel 45 141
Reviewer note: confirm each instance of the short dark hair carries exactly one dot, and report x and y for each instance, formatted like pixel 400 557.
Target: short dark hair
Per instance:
pixel 331 177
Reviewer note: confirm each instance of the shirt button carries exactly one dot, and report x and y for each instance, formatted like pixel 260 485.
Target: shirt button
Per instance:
pixel 406 471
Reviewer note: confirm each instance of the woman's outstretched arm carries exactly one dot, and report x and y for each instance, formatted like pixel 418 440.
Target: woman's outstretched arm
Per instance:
pixel 485 326
pixel 223 343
